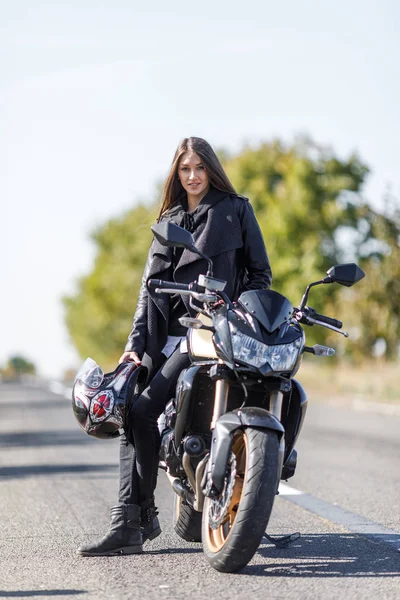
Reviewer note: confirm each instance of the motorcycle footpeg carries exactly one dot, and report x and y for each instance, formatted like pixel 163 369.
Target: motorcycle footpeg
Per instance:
pixel 283 541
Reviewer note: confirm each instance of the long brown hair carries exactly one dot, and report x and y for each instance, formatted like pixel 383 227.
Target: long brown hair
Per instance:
pixel 217 177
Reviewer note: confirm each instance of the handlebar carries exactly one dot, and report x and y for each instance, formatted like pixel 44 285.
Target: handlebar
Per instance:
pixel 324 319
pixel 310 317
pixel 194 290
pixel 168 285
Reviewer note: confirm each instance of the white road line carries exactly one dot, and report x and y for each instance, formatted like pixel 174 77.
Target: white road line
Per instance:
pixel 351 521
pixel 286 490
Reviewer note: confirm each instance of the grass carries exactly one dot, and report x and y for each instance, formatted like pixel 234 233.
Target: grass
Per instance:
pixel 371 382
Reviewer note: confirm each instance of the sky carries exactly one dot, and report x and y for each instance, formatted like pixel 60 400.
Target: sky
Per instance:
pixel 95 96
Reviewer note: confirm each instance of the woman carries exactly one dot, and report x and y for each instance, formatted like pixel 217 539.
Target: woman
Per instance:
pixel 199 197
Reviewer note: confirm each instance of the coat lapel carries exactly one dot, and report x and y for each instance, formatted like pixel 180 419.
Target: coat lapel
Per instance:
pixel 219 231
pixel 160 268
pixel 160 265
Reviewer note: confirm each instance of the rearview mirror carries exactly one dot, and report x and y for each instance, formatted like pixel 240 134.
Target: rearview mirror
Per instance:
pixel 347 274
pixel 169 234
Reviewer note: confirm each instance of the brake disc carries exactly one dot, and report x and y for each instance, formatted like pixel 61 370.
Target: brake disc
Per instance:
pixel 218 507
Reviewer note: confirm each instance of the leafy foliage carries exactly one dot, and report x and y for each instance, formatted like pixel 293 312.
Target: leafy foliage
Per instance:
pixel 17 365
pixel 296 194
pixel 374 306
pixel 312 216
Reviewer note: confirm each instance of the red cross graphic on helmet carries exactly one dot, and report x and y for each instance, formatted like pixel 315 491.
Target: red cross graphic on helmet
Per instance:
pixel 101 406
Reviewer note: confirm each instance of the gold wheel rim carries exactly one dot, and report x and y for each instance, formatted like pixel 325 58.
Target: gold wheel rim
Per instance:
pixel 218 537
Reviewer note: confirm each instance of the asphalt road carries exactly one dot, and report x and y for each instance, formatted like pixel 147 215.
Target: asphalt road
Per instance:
pixel 57 484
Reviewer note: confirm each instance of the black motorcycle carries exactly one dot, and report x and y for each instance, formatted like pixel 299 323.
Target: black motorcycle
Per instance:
pixel 229 434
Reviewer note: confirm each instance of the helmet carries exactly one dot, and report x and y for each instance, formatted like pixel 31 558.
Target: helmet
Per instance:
pixel 101 401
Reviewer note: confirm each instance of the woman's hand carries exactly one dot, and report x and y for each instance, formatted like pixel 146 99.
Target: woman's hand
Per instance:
pixel 130 357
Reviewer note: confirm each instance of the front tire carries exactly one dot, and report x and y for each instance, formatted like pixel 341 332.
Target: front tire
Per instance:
pixel 232 534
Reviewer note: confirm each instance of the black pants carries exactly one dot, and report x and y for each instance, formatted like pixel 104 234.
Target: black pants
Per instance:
pixel 139 461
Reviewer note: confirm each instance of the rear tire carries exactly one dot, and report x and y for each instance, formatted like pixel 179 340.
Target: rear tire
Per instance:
pixel 186 521
pixel 230 545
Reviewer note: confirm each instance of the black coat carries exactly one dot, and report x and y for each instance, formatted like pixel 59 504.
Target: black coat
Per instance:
pixel 226 230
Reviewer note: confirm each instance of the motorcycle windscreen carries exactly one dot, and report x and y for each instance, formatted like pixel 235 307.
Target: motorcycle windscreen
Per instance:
pixel 270 308
pixel 90 374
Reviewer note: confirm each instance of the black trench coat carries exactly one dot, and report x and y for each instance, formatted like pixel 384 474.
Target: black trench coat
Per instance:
pixel 226 230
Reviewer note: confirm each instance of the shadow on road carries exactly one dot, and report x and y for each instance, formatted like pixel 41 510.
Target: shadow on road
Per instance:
pixel 45 438
pixel 34 470
pixel 30 593
pixel 330 555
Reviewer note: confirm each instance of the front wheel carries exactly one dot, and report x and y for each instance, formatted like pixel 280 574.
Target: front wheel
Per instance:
pixel 234 523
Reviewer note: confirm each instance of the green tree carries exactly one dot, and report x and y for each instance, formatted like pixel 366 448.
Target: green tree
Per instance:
pixel 374 303
pixel 17 365
pixel 298 195
pixel 312 216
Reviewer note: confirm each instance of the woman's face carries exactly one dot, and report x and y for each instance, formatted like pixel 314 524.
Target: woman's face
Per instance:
pixel 193 175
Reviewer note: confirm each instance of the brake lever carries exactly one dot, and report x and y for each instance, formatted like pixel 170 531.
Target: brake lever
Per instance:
pixel 316 322
pixel 200 296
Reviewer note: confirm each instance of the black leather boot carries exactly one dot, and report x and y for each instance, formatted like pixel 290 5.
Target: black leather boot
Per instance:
pixel 149 524
pixel 123 537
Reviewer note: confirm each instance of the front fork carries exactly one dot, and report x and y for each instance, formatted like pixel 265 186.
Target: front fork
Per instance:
pixel 275 407
pixel 220 400
pixel 220 409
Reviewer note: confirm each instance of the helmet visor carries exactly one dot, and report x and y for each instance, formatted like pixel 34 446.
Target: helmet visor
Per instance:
pixel 90 374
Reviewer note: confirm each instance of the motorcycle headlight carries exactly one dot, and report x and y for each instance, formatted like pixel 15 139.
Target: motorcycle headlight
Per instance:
pixel 281 357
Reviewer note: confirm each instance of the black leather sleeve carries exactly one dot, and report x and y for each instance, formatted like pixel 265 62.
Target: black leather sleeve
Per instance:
pixel 257 265
pixel 137 337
